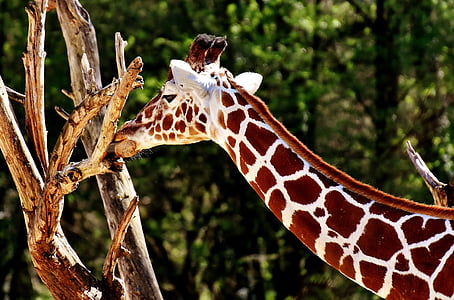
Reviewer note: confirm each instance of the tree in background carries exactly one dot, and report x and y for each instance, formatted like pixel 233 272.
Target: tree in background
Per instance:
pixel 352 79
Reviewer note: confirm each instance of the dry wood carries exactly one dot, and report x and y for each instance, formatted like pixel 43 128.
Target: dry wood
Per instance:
pixel 116 251
pixel 42 184
pixel 16 96
pixel 442 193
pixel 55 261
pixel 116 189
pixel 34 80
pixel 63 177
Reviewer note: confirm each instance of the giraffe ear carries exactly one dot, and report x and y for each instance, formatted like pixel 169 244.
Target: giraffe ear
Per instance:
pixel 184 76
pixel 249 81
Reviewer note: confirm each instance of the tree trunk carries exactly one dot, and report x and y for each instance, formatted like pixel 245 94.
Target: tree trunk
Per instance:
pixel 117 189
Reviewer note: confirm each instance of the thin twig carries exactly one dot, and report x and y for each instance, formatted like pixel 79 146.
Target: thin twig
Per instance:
pixel 120 45
pixel 62 113
pixel 75 125
pixel 442 193
pixel 16 96
pixel 68 94
pixel 116 251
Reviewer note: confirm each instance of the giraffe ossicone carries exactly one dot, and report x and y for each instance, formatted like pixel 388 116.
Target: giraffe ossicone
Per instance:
pixel 394 247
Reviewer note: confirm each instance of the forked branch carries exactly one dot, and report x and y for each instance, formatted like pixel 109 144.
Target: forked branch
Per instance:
pixel 63 177
pixel 116 251
pixel 442 193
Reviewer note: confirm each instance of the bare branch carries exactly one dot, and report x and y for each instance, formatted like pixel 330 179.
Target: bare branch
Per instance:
pixel 62 177
pixel 62 113
pixel 442 193
pixel 17 155
pixel 114 110
pixel 16 96
pixel 120 45
pixel 34 80
pixel 116 251
pixel 75 126
pixel 88 75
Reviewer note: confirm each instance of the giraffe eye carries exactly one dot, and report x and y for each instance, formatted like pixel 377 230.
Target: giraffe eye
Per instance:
pixel 169 97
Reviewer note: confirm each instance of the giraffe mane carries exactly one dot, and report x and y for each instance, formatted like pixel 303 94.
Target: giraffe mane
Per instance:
pixel 335 174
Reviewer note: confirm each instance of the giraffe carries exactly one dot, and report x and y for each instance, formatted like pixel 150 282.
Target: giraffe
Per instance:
pixel 396 248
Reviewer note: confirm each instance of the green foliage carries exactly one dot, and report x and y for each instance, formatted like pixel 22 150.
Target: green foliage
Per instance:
pixel 352 81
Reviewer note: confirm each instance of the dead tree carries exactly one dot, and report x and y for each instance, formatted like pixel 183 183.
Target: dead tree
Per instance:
pixel 42 180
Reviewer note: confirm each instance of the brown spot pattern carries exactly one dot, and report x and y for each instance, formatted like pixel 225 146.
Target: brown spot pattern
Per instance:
pixel 265 179
pixel 379 240
pixel 231 141
pixel 178 112
pixel 358 198
pixel 221 120
pixel 277 203
pixel 241 101
pixel 234 120
pixel 347 267
pixel 332 234
pixel 333 253
pixel 246 155
pixel 254 115
pixel 444 282
pixel 200 127
pixel 391 213
pixel 423 260
pixel 303 190
pixel 189 114
pixel 180 126
pixel 343 216
pixel 260 137
pixel 203 118
pixel 327 182
pixel 416 232
pixel 402 264
pixel 440 247
pixel 257 189
pixel 167 122
pixel 227 100
pixel 410 287
pixel 184 107
pixel 319 212
pixel 372 275
pixel 306 228
pixel 285 161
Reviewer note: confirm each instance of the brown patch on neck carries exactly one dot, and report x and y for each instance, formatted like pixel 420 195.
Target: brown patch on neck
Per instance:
pixel 350 184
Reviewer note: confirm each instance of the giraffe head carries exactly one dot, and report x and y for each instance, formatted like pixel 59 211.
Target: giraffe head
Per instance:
pixel 186 110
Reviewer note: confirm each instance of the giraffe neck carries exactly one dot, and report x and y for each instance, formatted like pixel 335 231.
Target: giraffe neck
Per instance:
pixel 379 241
